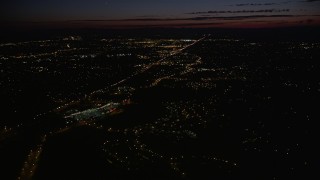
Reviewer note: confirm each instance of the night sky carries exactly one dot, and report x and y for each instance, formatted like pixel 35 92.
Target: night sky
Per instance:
pixel 163 13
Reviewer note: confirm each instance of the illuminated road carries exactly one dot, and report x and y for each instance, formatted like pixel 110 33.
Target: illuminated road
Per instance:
pixel 138 73
pixel 151 65
pixel 31 163
pixel 188 69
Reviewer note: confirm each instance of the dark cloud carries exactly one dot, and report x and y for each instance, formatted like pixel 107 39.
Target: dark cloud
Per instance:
pixel 240 17
pixel 255 4
pixel 198 18
pixel 242 11
pixel 272 4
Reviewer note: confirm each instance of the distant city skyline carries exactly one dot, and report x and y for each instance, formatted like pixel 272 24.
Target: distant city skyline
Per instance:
pixel 162 13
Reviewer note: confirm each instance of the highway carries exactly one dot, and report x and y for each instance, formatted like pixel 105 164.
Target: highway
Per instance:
pixel 140 72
